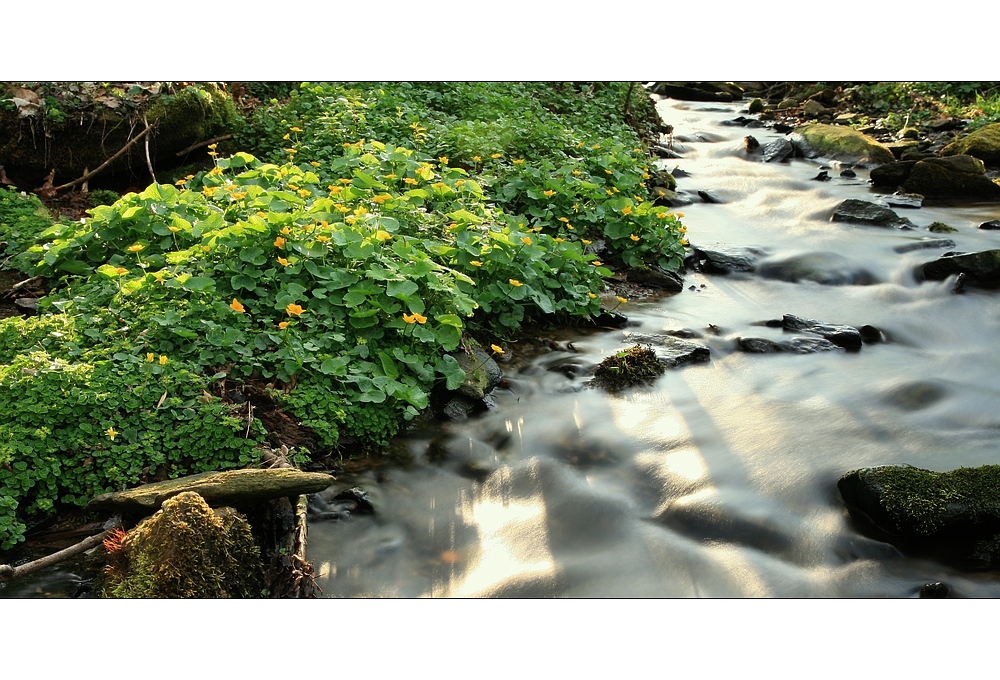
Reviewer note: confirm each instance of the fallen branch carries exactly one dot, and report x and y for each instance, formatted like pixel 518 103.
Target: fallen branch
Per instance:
pixel 149 162
pixel 198 145
pixel 105 163
pixel 27 282
pixel 9 573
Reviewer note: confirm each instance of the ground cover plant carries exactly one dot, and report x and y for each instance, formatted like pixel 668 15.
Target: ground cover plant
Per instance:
pixel 374 231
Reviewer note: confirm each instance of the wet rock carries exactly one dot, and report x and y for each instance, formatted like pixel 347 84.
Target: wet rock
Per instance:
pixel 28 305
pixel 984 144
pixel 902 149
pixel 664 151
pixel 695 92
pixel 944 124
pixel 915 396
pixel 891 175
pixel 828 269
pixel 751 144
pixel 671 350
pixel 571 367
pixel 870 335
pixel 921 505
pixel 848 173
pixel 709 197
pixel 230 487
pixel 981 269
pixel 756 105
pixel 847 337
pixel 611 319
pixel 992 224
pixel 791 346
pixel 460 407
pixel 777 150
pixel 941 228
pixel 901 200
pixel 813 109
pixel 936 590
pixel 731 516
pixel 655 277
pixel 186 550
pixel 951 177
pixel 924 243
pixel 840 143
pixel 856 211
pixel 723 259
pixel 482 373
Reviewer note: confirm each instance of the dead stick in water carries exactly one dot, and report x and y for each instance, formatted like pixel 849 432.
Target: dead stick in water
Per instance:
pixel 105 163
pixel 9 573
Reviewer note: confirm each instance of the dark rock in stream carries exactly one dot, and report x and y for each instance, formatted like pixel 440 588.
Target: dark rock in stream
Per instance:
pixel 777 151
pixel 482 373
pixel 791 346
pixel 951 177
pixel 902 200
pixel 992 224
pixel 823 176
pixel 936 590
pixel 671 350
pixel 847 337
pixel 924 243
pixel 718 259
pixel 856 211
pixel 654 277
pixel 953 514
pixel 828 269
pixel 980 269
pixel 709 197
pixel 848 173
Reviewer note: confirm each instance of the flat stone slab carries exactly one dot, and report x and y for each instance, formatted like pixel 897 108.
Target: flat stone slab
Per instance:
pixel 671 351
pixel 217 488
pixel 856 211
pixel 790 346
pixel 847 337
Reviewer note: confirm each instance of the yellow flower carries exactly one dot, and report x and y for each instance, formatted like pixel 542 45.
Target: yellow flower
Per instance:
pixel 586 242
pixel 661 215
pixel 340 207
pixel 627 210
pixel 286 231
pixel 564 219
pixel 497 348
pixel 293 309
pixel 111 432
pixel 607 171
pixel 592 296
pixel 122 270
pixel 496 155
pixel 205 249
pixel 516 283
pixel 236 306
pixel 295 129
pixel 293 187
pixel 549 193
pixel 476 263
pixel 215 171
pixel 459 182
pixel 518 161
pixel 679 214
pixel 683 230
pixel 213 146
pixel 414 318
pixel 609 192
pixel 381 198
pixel 569 226
pixel 558 240
pixel 135 248
pixel 684 242
pixel 622 300
pixel 279 242
pixel 637 150
pixel 597 263
pixel 350 220
pixel 237 195
pixel 283 325
pixel 209 191
pixel 181 182
pixel 420 317
pixel 283 262
pixel 261 214
pixel 391 175
pixel 443 159
pixel 291 151
pixel 163 360
pixel 322 239
pixel 633 237
pixel 149 357
pixel 596 146
pixel 304 192
pixel 382 235
pixel 334 189
pixel 409 180
pixel 526 241
pixel 577 173
pixel 287 137
pixel 476 159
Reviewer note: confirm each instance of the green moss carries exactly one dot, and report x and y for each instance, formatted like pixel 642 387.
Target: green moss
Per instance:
pixel 911 494
pixel 186 550
pixel 984 144
pixel 631 367
pixel 840 142
pixel 941 228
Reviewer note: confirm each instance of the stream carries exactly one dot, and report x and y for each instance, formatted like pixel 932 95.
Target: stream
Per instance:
pixel 720 479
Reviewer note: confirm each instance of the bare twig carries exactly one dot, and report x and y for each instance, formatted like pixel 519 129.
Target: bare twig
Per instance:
pixel 105 163
pixel 27 282
pixel 9 573
pixel 149 162
pixel 198 145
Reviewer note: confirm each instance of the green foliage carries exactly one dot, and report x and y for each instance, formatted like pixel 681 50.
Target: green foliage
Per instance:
pixel 22 219
pixel 73 429
pixel 900 103
pixel 102 197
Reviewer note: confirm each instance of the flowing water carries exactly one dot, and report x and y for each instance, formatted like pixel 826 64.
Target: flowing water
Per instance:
pixel 720 479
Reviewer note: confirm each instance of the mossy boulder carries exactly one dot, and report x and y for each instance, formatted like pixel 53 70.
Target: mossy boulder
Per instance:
pixel 980 269
pixel 913 503
pixel 185 550
pixel 984 144
pixel 952 177
pixel 31 146
pixel 482 373
pixel 841 143
pixel 630 367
